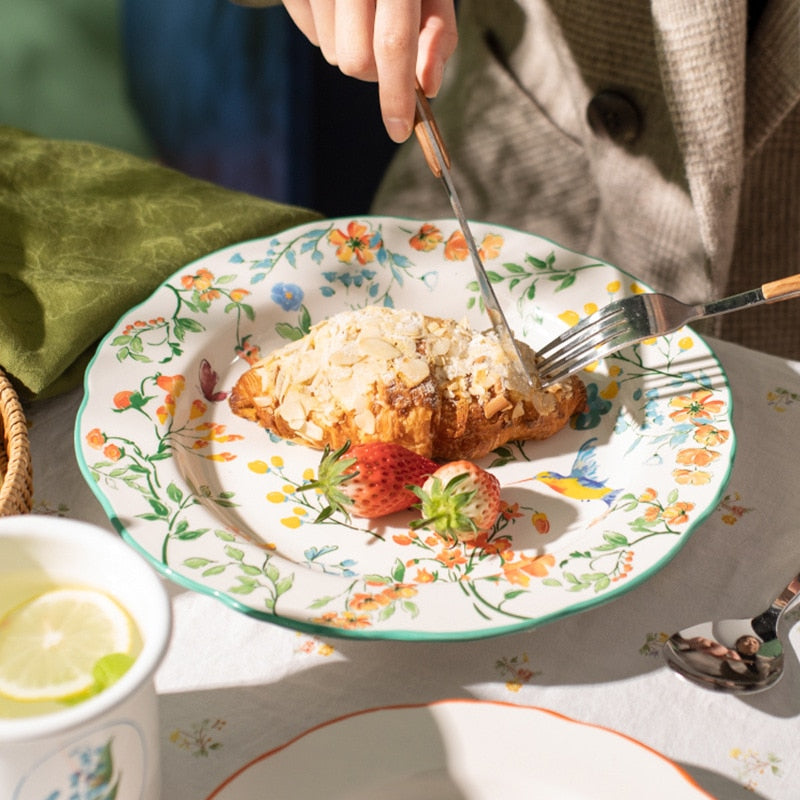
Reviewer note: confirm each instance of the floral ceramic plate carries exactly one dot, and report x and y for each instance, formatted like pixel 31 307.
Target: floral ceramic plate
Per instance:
pixel 211 499
pixel 440 751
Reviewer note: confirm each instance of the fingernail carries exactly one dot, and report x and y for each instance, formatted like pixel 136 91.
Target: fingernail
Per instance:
pixel 437 73
pixel 398 128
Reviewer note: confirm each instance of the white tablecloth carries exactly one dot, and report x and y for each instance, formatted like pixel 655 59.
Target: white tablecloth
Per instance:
pixel 232 688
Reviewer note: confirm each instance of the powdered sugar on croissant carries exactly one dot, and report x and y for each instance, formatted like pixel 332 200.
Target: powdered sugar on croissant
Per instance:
pixel 433 385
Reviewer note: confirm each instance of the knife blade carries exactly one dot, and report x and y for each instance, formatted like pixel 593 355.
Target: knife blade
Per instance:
pixel 438 160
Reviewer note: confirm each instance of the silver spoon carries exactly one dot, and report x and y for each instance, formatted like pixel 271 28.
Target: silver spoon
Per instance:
pixel 733 655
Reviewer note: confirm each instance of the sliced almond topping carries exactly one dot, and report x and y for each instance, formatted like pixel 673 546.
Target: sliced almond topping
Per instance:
pixel 311 431
pixel 413 371
pixel 378 347
pixel 495 405
pixel 292 410
pixel 365 420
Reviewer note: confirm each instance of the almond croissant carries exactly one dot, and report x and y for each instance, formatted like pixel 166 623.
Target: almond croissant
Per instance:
pixel 378 374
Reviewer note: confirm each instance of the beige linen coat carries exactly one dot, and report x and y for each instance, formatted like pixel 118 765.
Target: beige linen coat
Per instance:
pixel 705 201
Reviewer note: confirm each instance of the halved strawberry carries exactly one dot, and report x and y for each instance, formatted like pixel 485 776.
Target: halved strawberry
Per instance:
pixel 369 480
pixel 458 501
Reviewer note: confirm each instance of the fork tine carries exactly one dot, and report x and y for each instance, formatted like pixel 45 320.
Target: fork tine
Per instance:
pixel 566 367
pixel 584 336
pixel 583 327
pixel 587 349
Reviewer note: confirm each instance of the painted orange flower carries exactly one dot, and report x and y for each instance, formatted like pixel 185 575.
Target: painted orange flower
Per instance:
pixel 540 522
pixel 710 435
pixel 163 413
pixel 357 242
pixel 209 294
pixel 427 238
pixel 451 557
pixel 699 404
pixel 248 351
pixel 509 510
pixel 237 295
pixel 691 477
pixel 122 400
pixel 96 439
pixel 697 456
pixel 221 457
pixel 174 384
pixel 652 513
pixel 456 247
pixel 400 591
pixel 201 280
pixel 368 602
pixel 112 452
pixel 520 572
pixel 347 621
pixel 677 513
pixel 198 409
pixel 497 547
pixel 423 576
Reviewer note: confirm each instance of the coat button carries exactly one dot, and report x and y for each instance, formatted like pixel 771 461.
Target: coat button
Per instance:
pixel 613 115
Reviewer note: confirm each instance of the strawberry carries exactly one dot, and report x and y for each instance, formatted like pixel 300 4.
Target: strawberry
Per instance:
pixel 369 480
pixel 458 501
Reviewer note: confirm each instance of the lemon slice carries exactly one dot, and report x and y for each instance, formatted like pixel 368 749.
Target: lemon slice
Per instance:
pixel 50 644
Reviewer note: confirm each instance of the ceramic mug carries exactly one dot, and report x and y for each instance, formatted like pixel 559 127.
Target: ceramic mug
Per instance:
pixel 107 745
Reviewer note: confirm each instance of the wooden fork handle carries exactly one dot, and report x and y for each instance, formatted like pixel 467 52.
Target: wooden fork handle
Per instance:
pixel 782 289
pixel 422 124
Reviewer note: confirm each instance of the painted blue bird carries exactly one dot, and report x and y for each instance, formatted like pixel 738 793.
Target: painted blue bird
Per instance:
pixel 582 483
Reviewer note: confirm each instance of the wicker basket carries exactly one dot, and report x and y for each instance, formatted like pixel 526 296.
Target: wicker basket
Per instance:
pixel 16 476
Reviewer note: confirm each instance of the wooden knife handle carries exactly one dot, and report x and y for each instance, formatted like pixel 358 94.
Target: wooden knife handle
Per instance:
pixel 781 289
pixel 421 130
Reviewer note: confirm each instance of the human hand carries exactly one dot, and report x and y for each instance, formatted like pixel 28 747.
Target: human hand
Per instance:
pixel 392 42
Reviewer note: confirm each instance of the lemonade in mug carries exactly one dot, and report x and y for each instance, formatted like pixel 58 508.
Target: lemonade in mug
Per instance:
pixel 84 624
pixel 59 644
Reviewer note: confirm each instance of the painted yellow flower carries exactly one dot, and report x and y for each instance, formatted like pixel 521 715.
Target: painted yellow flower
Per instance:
pixel 569 317
pixel 490 246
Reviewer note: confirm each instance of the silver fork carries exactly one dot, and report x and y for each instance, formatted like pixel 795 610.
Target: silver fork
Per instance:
pixel 634 319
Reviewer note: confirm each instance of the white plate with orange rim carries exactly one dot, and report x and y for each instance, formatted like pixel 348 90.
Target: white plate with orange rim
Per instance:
pixel 460 750
pixel 211 499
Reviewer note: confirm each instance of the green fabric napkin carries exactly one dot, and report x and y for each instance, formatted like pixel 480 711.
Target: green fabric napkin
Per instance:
pixel 87 232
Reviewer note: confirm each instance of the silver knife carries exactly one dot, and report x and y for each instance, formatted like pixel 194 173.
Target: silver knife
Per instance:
pixel 438 159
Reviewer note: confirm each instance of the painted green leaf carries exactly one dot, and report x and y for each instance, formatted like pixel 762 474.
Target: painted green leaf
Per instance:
pixel 196 562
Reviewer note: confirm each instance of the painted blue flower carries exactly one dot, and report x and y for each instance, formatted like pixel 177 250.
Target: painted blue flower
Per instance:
pixel 596 408
pixel 289 296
